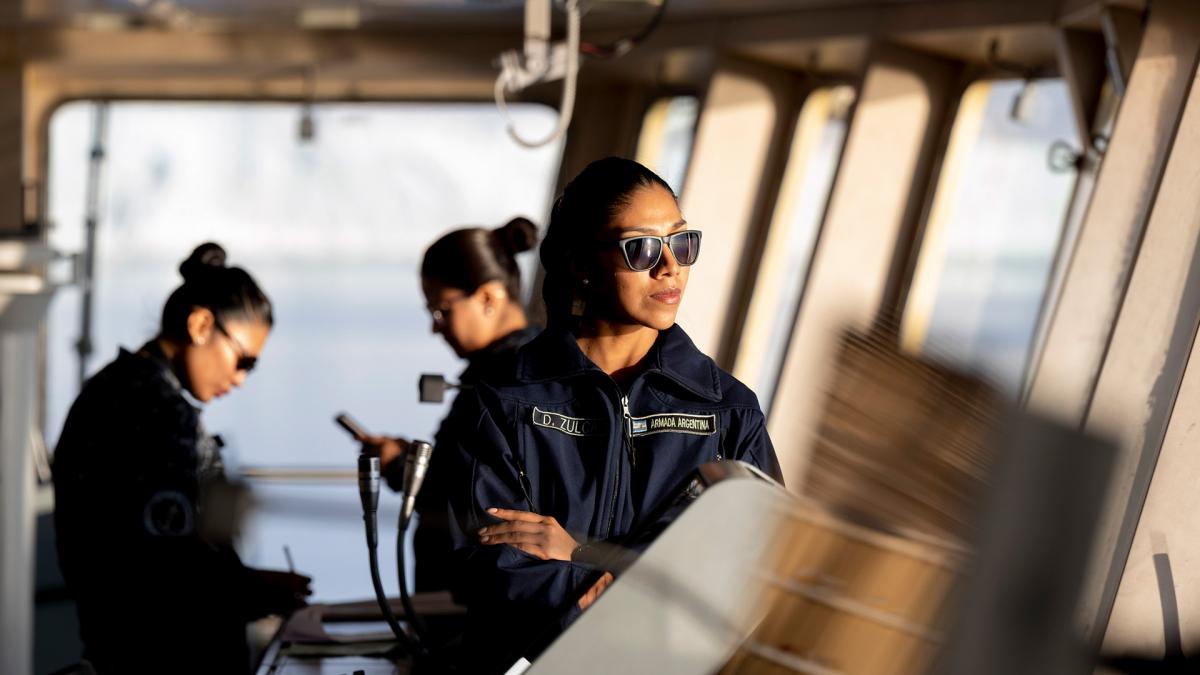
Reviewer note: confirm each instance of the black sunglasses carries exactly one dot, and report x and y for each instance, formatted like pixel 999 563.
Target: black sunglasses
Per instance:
pixel 244 363
pixel 643 253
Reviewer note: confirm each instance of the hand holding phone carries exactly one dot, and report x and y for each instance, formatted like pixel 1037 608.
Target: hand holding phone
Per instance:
pixel 385 448
pixel 345 421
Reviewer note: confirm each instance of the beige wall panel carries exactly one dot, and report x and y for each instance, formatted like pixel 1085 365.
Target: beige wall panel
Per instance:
pixel 1082 321
pixel 727 163
pixel 899 112
pixel 1169 527
pixel 1136 391
pixel 18 356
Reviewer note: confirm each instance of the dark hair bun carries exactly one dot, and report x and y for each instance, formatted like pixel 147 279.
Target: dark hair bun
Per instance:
pixel 202 260
pixel 517 235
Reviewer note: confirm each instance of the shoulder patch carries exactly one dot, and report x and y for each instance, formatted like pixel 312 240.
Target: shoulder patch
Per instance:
pixel 572 426
pixel 680 423
pixel 168 513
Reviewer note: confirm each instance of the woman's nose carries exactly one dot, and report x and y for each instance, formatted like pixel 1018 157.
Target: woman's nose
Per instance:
pixel 667 264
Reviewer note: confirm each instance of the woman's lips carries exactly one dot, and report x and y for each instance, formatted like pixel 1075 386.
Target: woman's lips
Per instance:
pixel 667 297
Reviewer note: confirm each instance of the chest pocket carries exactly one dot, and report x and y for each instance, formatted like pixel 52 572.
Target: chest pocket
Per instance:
pixel 564 459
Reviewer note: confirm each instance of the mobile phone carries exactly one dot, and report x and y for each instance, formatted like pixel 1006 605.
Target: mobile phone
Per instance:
pixel 345 421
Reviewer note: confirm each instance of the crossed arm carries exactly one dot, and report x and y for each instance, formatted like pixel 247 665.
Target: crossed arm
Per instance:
pixel 541 537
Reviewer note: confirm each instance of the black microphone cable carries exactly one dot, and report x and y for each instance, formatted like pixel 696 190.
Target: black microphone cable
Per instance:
pixel 368 489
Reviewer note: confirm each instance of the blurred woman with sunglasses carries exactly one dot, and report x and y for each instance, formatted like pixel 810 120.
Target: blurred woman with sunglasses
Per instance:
pixel 472 287
pixel 597 422
pixel 150 563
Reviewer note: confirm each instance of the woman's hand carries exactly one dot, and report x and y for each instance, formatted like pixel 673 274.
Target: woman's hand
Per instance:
pixel 387 449
pixel 285 591
pixel 539 536
pixel 594 592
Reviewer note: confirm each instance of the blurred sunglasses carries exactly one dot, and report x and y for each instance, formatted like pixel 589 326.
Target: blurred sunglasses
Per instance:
pixel 442 314
pixel 244 363
pixel 644 252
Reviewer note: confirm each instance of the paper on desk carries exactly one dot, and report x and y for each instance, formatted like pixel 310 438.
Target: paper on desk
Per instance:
pixel 307 625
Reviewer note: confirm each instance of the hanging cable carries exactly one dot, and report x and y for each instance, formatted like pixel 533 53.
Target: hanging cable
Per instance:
pixel 510 80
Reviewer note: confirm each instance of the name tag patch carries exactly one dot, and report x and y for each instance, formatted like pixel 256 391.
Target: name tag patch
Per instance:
pixel 680 423
pixel 572 426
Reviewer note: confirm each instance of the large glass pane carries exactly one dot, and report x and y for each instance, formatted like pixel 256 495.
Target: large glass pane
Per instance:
pixel 665 141
pixel 812 163
pixel 333 228
pixel 993 230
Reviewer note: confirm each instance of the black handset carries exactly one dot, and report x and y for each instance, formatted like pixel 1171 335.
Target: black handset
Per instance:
pixel 345 421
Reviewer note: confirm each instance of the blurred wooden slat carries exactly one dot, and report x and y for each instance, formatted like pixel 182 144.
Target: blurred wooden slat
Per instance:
pixel 903 441
pixel 851 600
pixel 874 557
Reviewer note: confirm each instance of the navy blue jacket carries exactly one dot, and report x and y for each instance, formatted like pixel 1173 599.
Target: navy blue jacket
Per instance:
pixel 432 542
pixel 559 437
pixel 130 473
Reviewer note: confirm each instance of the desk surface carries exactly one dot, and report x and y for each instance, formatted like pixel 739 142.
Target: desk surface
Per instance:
pixel 348 639
pixel 288 658
pixel 283 663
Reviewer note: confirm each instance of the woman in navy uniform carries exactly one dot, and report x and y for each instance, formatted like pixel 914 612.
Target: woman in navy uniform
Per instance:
pixel 472 287
pixel 596 422
pixel 158 584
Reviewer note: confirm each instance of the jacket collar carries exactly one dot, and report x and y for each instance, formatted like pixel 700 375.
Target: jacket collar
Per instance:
pixel 151 354
pixel 555 355
pixel 480 361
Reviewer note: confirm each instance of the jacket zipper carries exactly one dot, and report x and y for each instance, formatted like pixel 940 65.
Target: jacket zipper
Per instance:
pixel 626 438
pixel 628 429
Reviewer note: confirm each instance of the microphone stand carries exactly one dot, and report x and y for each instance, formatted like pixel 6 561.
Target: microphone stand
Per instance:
pixel 416 462
pixel 368 490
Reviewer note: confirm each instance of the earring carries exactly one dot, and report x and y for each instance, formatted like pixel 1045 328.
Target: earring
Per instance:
pixel 489 310
pixel 578 305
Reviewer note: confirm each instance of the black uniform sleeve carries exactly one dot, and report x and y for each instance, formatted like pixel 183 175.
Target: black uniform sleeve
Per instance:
pixel 433 543
pixel 132 515
pixel 751 444
pixel 518 596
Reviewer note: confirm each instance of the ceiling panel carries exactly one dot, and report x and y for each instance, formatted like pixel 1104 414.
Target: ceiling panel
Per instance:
pixel 384 12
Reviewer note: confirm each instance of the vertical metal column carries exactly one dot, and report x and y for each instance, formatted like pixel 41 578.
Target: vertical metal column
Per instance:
pixel 91 220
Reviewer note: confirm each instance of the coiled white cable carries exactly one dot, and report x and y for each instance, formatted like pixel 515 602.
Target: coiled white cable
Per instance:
pixel 567 107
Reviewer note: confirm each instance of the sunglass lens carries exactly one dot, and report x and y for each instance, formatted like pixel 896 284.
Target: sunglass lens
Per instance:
pixel 642 253
pixel 685 246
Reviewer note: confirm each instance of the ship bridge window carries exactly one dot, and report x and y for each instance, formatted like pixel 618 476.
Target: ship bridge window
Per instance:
pixel 332 217
pixel 811 165
pixel 993 229
pixel 665 141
